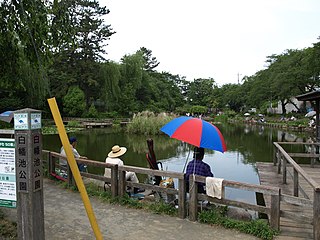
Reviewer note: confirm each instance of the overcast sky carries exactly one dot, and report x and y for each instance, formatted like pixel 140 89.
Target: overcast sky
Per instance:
pixel 210 38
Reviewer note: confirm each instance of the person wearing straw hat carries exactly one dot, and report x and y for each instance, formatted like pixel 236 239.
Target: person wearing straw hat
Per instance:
pixel 113 158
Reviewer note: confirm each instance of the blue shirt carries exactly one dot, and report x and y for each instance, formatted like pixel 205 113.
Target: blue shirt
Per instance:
pixel 198 167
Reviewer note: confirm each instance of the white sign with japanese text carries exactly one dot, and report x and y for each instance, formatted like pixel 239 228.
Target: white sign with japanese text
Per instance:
pixel 20 121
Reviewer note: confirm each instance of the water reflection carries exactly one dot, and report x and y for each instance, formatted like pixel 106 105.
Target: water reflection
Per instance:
pixel 246 145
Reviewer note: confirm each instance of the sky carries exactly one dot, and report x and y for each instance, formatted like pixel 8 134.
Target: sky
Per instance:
pixel 220 39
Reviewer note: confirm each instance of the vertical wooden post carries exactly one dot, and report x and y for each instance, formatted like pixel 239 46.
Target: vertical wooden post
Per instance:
pixel 193 199
pixel 50 164
pixel 275 155
pixel 313 151
pixel 275 210
pixel 316 214
pixel 284 171
pixel 182 198
pixel 114 181
pixel 295 183
pixel 122 183
pixel 279 163
pixel 71 181
pixel 29 174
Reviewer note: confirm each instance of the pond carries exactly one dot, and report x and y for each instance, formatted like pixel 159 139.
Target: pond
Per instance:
pixel 246 145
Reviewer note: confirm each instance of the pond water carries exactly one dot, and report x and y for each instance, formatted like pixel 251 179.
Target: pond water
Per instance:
pixel 246 145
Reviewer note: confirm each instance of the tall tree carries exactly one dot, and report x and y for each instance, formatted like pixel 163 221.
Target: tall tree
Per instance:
pixel 82 43
pixel 24 52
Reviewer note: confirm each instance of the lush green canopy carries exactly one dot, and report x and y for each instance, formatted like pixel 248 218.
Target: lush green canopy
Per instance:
pixel 59 48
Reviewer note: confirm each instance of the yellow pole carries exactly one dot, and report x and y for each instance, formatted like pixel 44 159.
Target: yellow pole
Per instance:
pixel 74 167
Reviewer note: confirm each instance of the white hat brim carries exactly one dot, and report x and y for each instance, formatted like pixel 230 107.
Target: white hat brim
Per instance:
pixel 117 154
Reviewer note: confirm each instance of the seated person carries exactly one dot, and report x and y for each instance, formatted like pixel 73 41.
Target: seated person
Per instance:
pixel 198 167
pixel 63 162
pixel 113 158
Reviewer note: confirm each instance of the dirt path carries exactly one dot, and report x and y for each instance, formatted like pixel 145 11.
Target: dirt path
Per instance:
pixel 65 218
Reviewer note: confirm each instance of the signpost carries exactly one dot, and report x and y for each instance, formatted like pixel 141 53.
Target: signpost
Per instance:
pixel 29 182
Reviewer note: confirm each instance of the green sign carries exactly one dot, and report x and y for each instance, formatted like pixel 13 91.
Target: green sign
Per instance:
pixel 8 196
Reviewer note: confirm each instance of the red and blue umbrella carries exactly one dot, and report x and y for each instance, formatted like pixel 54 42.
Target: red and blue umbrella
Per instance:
pixel 197 132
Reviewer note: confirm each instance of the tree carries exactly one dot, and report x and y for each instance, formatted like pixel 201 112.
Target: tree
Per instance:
pixel 74 102
pixel 81 47
pixel 24 52
pixel 200 92
pixel 150 62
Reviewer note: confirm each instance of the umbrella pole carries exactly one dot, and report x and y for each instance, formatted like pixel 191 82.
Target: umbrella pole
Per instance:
pixel 184 168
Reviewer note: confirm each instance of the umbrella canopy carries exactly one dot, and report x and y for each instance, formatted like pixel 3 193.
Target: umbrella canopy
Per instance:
pixel 197 132
pixel 247 114
pixel 311 114
pixel 6 116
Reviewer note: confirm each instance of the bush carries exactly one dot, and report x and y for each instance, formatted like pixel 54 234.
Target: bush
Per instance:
pixel 92 113
pixel 148 123
pixel 258 228
pixel 74 102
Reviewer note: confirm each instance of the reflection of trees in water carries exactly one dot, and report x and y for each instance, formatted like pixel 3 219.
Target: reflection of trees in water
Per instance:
pixel 254 142
pixel 138 143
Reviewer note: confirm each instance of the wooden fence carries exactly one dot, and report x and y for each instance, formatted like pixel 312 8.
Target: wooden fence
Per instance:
pixel 281 160
pixel 118 186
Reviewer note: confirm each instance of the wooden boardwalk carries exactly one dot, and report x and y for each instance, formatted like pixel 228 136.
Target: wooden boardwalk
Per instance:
pixel 291 229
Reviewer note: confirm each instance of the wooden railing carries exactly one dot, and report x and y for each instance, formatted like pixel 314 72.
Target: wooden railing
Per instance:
pixel 107 120
pixel 281 160
pixel 274 192
pixel 118 186
pixel 118 181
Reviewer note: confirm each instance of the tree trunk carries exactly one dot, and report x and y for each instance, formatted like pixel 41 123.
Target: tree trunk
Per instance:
pixel 283 106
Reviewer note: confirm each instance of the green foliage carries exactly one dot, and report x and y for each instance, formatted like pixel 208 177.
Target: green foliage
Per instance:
pixel 92 113
pixel 221 118
pixel 258 228
pixel 162 208
pixel 230 113
pixel 74 102
pixel 75 124
pixel 112 114
pixel 198 109
pixel 8 229
pixel 148 123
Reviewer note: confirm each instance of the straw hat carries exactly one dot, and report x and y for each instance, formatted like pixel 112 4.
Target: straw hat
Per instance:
pixel 117 151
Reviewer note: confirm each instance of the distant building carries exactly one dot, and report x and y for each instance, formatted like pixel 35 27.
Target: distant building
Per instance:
pixel 289 107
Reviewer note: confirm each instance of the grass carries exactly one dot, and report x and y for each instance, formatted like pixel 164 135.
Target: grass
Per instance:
pixel 216 215
pixel 258 228
pixel 148 123
pixel 8 229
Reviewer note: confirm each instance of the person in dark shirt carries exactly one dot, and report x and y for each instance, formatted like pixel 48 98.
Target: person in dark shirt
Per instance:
pixel 198 167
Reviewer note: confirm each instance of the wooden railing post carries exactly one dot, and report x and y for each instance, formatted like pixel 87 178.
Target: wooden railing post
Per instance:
pixel 122 183
pixel 279 163
pixel 51 164
pixel 182 198
pixel 275 211
pixel 316 214
pixel 275 155
pixel 295 183
pixel 114 181
pixel 70 176
pixel 193 199
pixel 284 171
pixel 313 151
